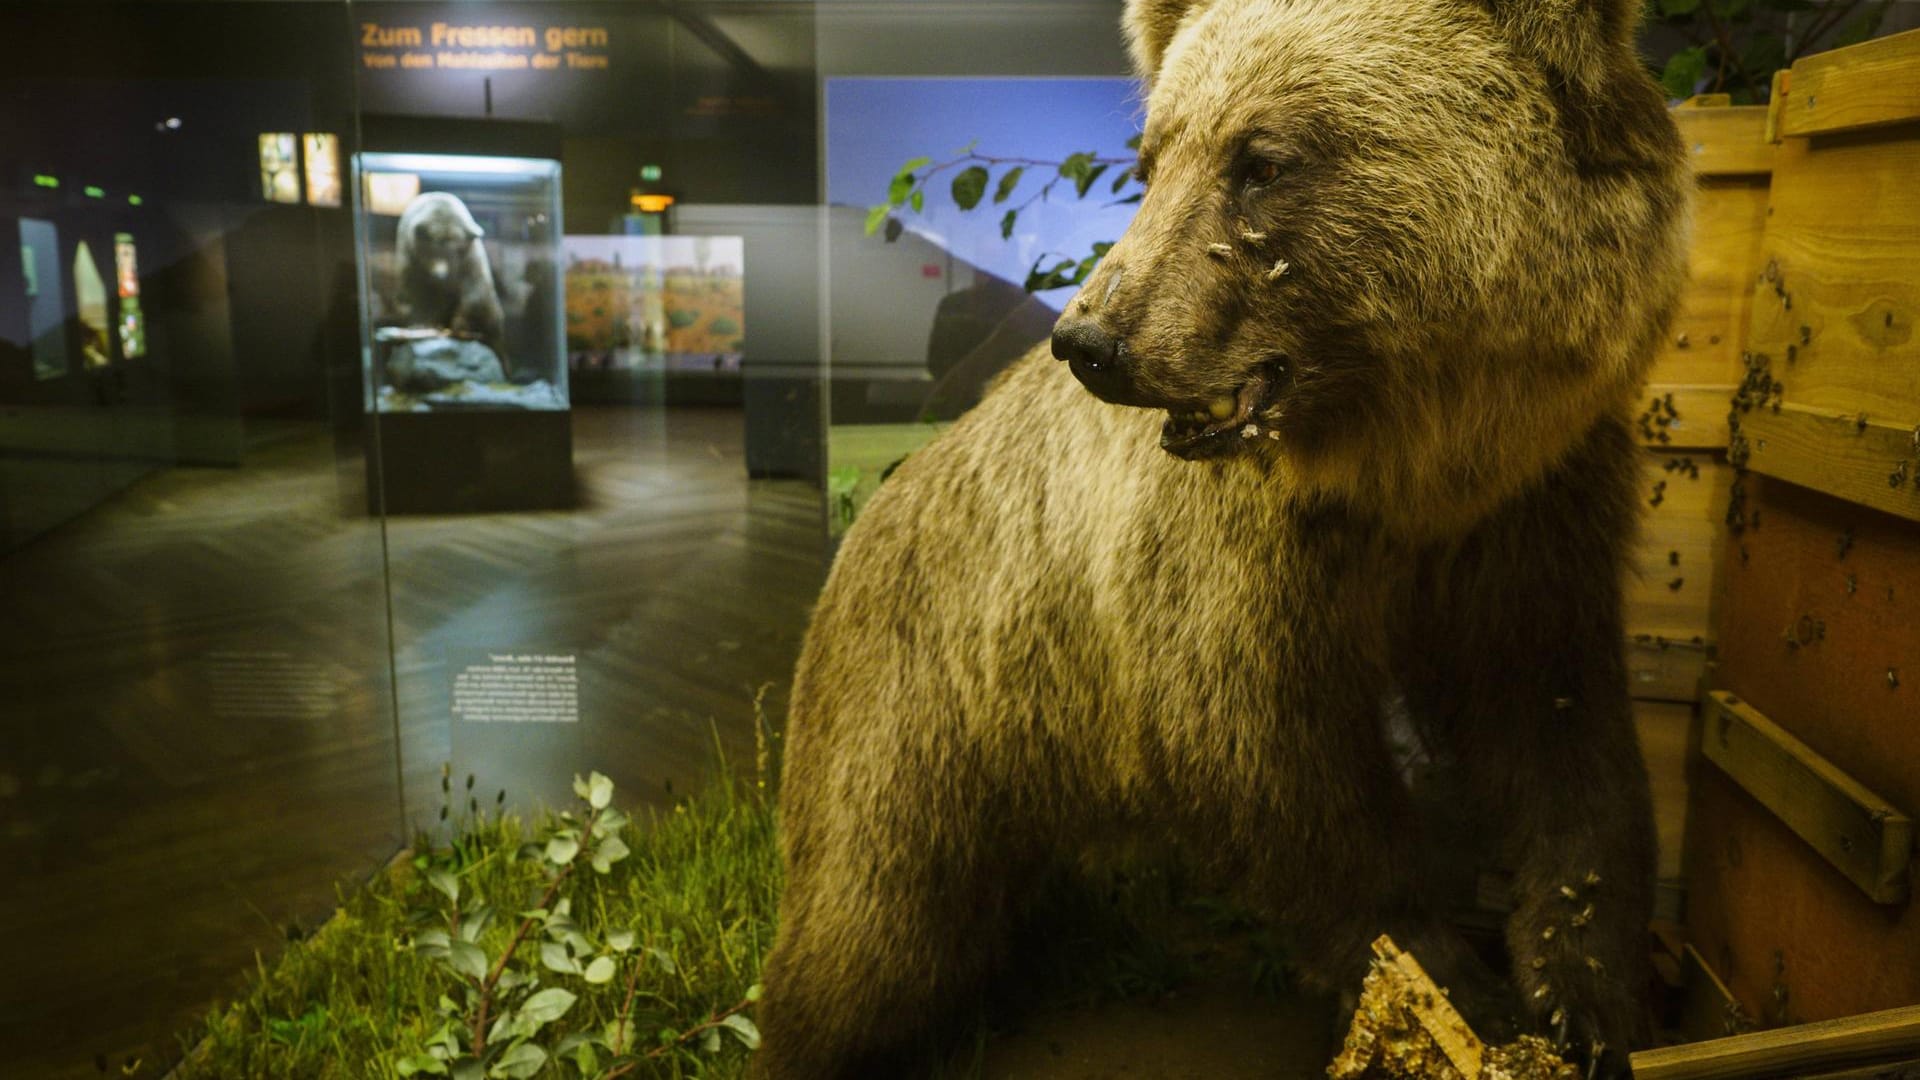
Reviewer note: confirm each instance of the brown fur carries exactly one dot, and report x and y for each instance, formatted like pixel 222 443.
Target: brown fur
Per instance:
pixel 1044 625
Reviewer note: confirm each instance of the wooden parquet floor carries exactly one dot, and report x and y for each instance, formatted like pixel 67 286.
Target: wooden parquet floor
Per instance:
pixel 200 736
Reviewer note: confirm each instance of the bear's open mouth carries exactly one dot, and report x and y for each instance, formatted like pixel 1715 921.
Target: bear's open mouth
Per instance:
pixel 1229 421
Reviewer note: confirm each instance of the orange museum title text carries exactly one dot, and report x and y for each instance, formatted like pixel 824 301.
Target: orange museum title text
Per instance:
pixel 451 36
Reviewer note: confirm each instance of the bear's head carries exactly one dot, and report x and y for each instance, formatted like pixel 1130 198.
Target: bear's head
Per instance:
pixel 441 231
pixel 1415 248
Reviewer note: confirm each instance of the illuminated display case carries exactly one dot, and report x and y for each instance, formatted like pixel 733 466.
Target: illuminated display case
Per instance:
pixel 461 262
pixel 465 348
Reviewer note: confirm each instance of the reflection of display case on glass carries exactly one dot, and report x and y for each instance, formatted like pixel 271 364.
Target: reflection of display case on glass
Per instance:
pixel 464 357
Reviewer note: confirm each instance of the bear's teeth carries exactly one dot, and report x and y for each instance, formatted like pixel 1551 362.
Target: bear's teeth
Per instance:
pixel 1221 407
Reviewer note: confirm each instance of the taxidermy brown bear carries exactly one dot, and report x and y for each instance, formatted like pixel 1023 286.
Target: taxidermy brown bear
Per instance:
pixel 445 279
pixel 1343 414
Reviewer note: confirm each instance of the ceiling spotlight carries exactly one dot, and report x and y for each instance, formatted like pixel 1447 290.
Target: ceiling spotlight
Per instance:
pixel 173 123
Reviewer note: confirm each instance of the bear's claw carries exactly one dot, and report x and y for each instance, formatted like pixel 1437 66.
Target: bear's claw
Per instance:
pixel 1578 1041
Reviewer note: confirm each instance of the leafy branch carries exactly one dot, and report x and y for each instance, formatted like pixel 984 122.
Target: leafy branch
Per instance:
pixel 1735 46
pixel 972 173
pixel 494 1030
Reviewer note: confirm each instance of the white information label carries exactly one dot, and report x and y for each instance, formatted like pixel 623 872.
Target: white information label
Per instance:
pixel 518 688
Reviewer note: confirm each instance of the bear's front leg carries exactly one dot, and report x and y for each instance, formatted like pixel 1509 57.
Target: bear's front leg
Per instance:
pixel 1347 861
pixel 906 846
pixel 1514 663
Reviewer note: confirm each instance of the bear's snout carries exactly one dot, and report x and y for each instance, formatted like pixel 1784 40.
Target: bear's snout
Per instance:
pixel 1097 358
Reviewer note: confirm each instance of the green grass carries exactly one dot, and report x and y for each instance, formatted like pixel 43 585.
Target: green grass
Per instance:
pixel 700 885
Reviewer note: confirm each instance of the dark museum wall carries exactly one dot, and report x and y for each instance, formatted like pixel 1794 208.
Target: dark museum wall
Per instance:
pixel 719 95
pixel 233 289
pixel 252 318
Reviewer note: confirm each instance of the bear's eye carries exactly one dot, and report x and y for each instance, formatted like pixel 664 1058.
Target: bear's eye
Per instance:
pixel 1263 171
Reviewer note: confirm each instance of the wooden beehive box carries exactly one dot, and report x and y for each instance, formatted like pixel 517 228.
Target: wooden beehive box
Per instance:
pixel 1683 425
pixel 1799 837
pixel 1673 589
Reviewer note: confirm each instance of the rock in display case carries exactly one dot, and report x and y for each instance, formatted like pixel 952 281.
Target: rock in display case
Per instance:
pixel 465 352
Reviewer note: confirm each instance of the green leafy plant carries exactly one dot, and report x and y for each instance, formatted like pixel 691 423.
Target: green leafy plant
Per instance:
pixel 493 1021
pixel 1733 47
pixel 842 483
pixel 970 174
pixel 684 918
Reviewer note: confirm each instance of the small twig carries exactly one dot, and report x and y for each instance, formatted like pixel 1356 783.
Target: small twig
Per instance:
pixel 1726 49
pixel 520 935
pixel 935 170
pixel 1823 24
pixel 713 1020
pixel 633 983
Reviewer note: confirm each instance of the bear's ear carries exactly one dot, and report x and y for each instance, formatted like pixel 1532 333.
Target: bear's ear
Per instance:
pixel 1150 26
pixel 1577 40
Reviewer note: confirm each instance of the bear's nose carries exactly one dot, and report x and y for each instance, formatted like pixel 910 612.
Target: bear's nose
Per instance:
pixel 1083 344
pixel 1098 359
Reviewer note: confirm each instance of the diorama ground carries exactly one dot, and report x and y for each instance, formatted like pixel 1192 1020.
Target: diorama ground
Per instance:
pixel 1124 971
pixel 1214 1026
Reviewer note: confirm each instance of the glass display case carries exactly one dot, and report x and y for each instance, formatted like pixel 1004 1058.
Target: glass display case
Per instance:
pixel 465 353
pixel 461 260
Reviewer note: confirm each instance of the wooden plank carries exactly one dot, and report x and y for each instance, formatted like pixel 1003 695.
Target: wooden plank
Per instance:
pixel 1673 589
pixel 1661 667
pixel 1892 1035
pixel 1794 939
pixel 1697 420
pixel 1875 463
pixel 1708 336
pixel 1726 141
pixel 1776 101
pixel 1882 1070
pixel 1872 84
pixel 1838 295
pixel 1708 1010
pixel 1663 729
pixel 1862 835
